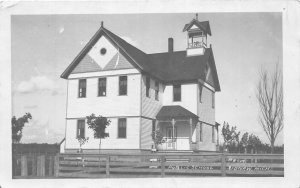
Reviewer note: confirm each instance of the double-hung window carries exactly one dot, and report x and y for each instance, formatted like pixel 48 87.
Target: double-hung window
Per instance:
pixel 80 128
pixel 156 90
pixel 153 125
pixel 123 85
pixel 201 132
pixel 147 86
pixel 102 87
pixel 82 88
pixel 177 92
pixel 122 128
pixel 200 93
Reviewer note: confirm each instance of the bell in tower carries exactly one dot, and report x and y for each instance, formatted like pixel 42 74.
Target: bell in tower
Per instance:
pixel 196 36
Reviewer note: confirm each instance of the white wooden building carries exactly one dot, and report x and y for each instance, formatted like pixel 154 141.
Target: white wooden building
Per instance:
pixel 139 92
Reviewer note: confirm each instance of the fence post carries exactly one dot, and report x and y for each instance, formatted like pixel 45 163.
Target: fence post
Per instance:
pixel 51 164
pixel 41 165
pixel 107 165
pixel 223 164
pixel 24 169
pixel 162 165
pixel 34 164
pixel 56 165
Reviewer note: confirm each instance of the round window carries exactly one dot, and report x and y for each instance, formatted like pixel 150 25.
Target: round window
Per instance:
pixel 103 51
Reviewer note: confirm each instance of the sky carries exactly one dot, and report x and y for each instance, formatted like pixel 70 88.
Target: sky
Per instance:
pixel 44 45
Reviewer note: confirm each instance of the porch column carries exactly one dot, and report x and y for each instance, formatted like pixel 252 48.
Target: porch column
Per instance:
pixel 173 132
pixel 191 133
pixel 217 135
pixel 156 124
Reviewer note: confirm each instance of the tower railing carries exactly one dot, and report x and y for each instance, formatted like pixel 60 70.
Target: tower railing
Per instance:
pixel 197 44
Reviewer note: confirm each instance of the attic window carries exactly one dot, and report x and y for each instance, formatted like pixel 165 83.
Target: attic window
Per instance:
pixel 103 51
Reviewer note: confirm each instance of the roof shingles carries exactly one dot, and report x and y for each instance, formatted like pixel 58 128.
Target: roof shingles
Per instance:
pixel 167 67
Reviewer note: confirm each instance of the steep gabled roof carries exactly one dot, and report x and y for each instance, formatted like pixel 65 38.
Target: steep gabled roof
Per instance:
pixel 167 67
pixel 135 56
pixel 203 25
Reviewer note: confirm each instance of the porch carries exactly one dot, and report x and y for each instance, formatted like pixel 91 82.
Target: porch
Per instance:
pixel 178 127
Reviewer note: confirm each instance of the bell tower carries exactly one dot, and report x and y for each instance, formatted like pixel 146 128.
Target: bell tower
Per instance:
pixel 197 33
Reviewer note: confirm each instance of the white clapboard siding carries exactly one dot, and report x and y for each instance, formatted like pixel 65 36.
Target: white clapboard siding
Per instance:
pixel 146 131
pixel 112 142
pixel 110 105
pixel 150 106
pixel 205 111
pixel 188 97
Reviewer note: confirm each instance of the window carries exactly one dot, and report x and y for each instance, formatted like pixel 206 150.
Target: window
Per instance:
pixel 102 87
pixel 80 128
pixel 200 93
pixel 153 125
pixel 213 134
pixel 147 86
pixel 201 132
pixel 156 90
pixel 103 51
pixel 82 88
pixel 122 128
pixel 176 92
pixel 123 85
pixel 213 99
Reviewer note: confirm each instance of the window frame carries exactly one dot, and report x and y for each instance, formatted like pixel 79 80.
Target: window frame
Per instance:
pixel 125 85
pixel 156 88
pixel 77 128
pixel 80 90
pixel 148 86
pixel 119 123
pixel 201 132
pixel 153 125
pixel 200 92
pixel 179 93
pixel 213 134
pixel 212 99
pixel 105 88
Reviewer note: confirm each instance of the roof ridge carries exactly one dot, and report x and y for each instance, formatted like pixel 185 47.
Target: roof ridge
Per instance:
pixel 167 52
pixel 120 38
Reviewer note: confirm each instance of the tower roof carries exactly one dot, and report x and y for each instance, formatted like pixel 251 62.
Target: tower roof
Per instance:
pixel 203 25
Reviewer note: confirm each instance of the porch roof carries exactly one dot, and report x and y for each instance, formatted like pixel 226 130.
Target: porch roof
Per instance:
pixel 175 111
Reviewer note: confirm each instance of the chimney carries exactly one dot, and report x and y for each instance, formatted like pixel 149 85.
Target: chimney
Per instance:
pixel 170 44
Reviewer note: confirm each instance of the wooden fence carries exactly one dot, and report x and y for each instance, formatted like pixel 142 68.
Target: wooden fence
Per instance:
pixel 157 165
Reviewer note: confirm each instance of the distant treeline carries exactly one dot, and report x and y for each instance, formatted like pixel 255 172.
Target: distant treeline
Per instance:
pixel 35 148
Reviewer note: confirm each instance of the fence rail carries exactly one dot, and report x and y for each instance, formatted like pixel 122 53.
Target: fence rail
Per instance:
pixel 104 166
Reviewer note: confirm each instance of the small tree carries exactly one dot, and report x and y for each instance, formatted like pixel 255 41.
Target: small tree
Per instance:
pixel 157 137
pixel 251 141
pixel 230 135
pixel 82 141
pixel 17 126
pixel 245 141
pixel 254 142
pixel 98 125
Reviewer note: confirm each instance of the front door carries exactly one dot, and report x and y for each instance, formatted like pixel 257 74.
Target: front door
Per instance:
pixel 171 139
